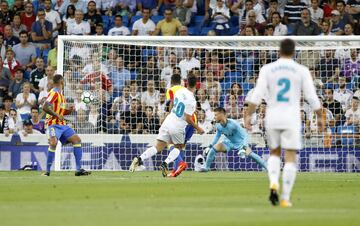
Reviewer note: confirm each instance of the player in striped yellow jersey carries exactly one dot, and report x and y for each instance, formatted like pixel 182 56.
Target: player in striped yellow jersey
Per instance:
pixel 55 107
pixel 179 164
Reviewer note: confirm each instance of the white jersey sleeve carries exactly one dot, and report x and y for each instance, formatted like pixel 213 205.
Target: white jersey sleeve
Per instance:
pixel 260 89
pixel 309 91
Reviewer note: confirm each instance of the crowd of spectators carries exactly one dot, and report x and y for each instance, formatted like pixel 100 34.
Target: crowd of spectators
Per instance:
pixel 130 82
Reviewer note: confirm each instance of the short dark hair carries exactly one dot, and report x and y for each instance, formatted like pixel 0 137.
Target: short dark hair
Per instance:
pixel 277 13
pixel 192 80
pixel 118 16
pixel 168 9
pixel 35 108
pixel 249 1
pixel 143 9
pixel 7 97
pixel 220 109
pixel 176 79
pixel 148 106
pixel 273 1
pixel 92 1
pixel 287 47
pixel 341 1
pixel 23 32
pixel 57 78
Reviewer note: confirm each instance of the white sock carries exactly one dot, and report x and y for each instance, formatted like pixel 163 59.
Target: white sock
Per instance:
pixel 274 170
pixel 148 153
pixel 174 153
pixel 288 179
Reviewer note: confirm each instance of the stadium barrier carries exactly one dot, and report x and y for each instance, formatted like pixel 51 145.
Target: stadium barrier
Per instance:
pixel 17 151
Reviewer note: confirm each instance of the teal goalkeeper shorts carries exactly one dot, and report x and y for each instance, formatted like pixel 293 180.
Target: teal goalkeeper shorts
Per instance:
pixel 229 146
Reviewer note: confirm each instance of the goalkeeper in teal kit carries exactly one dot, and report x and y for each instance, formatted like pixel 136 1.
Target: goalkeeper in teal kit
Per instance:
pixel 236 138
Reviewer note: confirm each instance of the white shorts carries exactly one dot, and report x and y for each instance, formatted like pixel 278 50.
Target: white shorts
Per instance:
pixel 284 138
pixel 171 134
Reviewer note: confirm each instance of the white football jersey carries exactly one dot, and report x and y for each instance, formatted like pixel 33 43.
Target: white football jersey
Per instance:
pixel 281 82
pixel 184 102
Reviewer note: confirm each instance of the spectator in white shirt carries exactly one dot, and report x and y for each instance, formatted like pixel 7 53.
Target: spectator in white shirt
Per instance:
pixel 44 93
pixel 80 27
pixel 53 17
pixel 203 123
pixel 43 83
pixel 353 114
pixel 28 129
pixel 273 7
pixel 325 28
pixel 342 94
pixel 279 28
pixel 14 123
pixel 25 100
pixel 118 29
pixel 144 26
pixel 151 96
pixel 316 12
pixel 188 63
pixel 242 10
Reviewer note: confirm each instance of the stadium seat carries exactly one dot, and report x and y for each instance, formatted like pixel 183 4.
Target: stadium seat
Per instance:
pixel 148 52
pixel 205 30
pixel 247 86
pixel 196 21
pixel 133 75
pixel 125 21
pixel 226 85
pixel 234 30
pixel 156 19
pixel 222 100
pixel 133 19
pixel 193 31
pixel 346 129
pixel 232 76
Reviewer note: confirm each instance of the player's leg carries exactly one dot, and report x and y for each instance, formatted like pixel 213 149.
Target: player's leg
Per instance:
pixel 75 140
pixel 246 151
pixel 210 155
pixel 288 177
pixel 273 164
pixel 291 141
pixel 149 152
pixel 53 140
pixel 177 137
pixel 179 163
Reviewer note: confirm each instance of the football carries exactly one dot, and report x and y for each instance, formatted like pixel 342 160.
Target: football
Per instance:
pixel 87 97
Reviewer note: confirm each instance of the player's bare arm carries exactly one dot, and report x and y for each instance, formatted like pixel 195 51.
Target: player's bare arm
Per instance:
pixel 47 107
pixel 189 120
pixel 248 112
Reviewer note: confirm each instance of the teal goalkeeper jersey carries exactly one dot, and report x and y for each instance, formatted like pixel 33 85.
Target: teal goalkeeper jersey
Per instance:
pixel 232 131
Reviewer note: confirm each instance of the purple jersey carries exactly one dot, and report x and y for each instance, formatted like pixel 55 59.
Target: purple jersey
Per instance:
pixel 40 126
pixel 351 68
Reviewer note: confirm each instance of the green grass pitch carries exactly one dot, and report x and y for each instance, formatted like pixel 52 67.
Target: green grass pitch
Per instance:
pixel 145 198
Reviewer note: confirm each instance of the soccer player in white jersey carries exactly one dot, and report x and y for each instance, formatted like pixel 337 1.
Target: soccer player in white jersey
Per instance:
pixel 172 131
pixel 281 82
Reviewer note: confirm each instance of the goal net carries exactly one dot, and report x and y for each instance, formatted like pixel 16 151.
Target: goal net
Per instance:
pixel 129 76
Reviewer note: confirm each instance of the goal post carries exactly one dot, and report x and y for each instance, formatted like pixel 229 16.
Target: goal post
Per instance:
pixel 128 76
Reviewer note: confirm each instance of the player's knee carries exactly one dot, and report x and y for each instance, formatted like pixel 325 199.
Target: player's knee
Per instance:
pixel 53 142
pixel 290 156
pixel 276 151
pixel 75 140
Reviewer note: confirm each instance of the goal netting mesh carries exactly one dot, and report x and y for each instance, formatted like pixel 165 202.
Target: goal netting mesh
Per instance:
pixel 129 77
